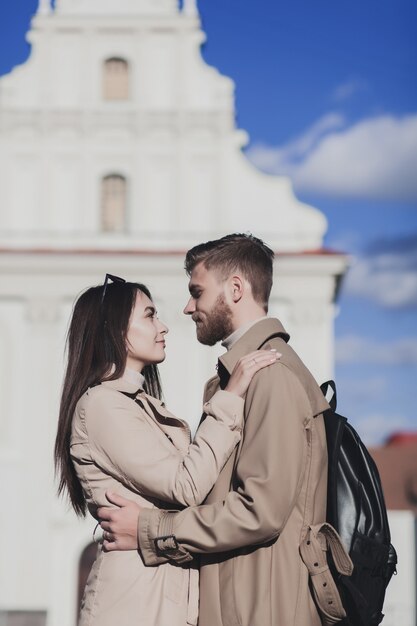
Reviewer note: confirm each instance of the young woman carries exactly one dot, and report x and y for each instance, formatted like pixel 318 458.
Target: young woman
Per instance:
pixel 114 433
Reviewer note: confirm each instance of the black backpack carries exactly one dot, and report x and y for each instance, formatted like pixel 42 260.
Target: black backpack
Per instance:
pixel 356 509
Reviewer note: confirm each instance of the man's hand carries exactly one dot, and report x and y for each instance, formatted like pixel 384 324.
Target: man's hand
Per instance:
pixel 120 525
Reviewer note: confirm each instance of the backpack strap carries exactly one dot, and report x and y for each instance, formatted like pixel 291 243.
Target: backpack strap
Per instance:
pixel 329 392
pixel 313 549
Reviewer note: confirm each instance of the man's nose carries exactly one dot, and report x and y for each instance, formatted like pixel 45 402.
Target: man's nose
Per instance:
pixel 189 307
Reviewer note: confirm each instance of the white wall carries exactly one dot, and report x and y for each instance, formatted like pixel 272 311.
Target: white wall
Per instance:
pixel 400 601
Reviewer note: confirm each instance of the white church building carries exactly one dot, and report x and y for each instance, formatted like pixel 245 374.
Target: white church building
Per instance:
pixel 119 151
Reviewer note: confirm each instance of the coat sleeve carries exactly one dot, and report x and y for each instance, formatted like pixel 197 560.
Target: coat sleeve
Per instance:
pixel 267 479
pixel 126 444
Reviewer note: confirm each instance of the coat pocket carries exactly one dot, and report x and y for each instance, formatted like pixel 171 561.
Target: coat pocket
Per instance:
pixel 313 550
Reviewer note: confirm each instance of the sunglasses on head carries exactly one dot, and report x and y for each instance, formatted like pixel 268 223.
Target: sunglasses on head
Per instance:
pixel 110 278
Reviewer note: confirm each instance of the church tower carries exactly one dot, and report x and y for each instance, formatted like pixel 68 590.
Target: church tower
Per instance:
pixel 119 151
pixel 116 134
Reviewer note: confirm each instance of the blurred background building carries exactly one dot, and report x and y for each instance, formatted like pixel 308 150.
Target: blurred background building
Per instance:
pixel 119 151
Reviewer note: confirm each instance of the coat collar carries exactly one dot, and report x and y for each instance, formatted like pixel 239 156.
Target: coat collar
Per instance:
pixel 132 385
pixel 255 337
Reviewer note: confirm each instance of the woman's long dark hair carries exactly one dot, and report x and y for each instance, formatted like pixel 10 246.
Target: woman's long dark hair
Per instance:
pixel 96 349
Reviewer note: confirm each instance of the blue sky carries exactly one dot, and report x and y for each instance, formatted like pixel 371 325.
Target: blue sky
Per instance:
pixel 328 94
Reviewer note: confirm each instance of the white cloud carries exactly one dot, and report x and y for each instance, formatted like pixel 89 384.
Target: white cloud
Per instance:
pixel 349 88
pixel 375 428
pixel 375 158
pixel 388 275
pixel 361 400
pixel 276 160
pixel 357 349
pixel 349 239
pixel 363 388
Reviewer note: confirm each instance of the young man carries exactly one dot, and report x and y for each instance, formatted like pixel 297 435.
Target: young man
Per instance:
pixel 274 485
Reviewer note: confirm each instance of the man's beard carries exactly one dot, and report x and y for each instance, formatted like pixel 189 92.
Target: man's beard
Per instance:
pixel 216 325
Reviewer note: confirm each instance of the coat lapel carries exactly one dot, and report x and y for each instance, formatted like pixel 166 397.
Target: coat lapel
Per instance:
pixel 175 429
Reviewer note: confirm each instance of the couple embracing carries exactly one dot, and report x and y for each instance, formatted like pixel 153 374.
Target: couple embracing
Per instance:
pixel 206 531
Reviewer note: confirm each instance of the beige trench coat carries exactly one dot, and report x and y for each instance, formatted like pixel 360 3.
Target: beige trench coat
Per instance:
pixel 144 454
pixel 271 489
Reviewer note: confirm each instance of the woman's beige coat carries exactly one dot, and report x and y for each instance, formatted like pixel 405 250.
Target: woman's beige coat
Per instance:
pixel 144 453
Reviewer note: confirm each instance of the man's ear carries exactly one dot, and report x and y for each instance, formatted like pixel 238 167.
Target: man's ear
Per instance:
pixel 236 288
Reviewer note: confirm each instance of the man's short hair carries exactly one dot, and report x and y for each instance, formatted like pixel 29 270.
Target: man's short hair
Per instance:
pixel 237 253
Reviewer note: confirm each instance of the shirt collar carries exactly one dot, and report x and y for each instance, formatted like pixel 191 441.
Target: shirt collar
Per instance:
pixel 239 332
pixel 252 339
pixel 131 381
pixel 134 377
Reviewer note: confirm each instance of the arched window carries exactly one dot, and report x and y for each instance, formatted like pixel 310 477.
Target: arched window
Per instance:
pixel 116 79
pixel 113 203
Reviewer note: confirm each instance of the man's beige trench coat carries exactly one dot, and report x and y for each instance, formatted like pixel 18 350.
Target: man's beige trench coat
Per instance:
pixel 268 493
pixel 144 454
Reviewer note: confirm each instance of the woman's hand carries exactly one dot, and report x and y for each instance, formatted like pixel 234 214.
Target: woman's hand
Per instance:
pixel 246 368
